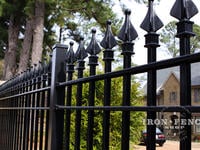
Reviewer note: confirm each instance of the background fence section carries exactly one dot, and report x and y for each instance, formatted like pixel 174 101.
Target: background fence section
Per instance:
pixel 24 105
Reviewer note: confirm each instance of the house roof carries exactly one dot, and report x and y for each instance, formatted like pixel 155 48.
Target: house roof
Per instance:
pixel 195 81
pixel 164 74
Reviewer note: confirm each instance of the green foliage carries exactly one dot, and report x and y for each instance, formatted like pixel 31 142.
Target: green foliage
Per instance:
pixel 168 37
pixel 195 44
pixel 29 8
pixel 2 2
pixel 77 17
pixel 115 116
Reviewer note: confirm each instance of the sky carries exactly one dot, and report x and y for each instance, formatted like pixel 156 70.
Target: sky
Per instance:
pixel 138 14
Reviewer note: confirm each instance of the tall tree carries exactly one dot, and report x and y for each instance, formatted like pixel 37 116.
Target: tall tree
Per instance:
pixel 38 32
pixel 12 14
pixel 25 51
pixel 73 16
pixel 10 54
pixel 26 46
pixel 3 36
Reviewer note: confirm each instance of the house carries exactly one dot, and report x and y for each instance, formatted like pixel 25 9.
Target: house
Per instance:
pixel 168 94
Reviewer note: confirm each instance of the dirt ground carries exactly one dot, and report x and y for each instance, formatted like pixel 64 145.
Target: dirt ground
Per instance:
pixel 168 145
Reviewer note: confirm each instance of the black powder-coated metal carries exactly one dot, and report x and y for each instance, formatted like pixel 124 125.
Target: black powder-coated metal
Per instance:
pixel 32 117
pixel 108 43
pixel 36 106
pixel 127 35
pixel 81 54
pixel 57 96
pixel 70 70
pixel 93 49
pixel 151 24
pixel 183 11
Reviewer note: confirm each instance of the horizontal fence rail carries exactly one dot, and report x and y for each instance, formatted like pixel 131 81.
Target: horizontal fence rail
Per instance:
pixel 56 105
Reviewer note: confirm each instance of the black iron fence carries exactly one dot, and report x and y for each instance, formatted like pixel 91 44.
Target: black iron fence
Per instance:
pixel 36 106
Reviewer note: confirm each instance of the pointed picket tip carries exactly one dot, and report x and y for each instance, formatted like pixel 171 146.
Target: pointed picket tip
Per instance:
pixel 152 22
pixel 70 58
pixel 81 53
pixel 108 41
pixel 40 69
pixel 93 48
pixel 183 9
pixel 127 32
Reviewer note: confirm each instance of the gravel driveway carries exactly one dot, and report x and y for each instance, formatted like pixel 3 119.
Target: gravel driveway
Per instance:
pixel 168 145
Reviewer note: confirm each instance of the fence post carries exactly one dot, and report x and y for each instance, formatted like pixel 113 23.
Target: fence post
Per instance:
pixel 183 11
pixel 151 24
pixel 93 49
pixel 47 72
pixel 32 101
pixel 108 43
pixel 80 55
pixel 56 117
pixel 127 35
pixel 27 112
pixel 43 104
pixel 38 102
pixel 70 70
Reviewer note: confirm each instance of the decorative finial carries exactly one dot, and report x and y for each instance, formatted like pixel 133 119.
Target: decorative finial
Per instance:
pixel 34 70
pixel 108 41
pixel 127 32
pixel 183 9
pixel 152 22
pixel 93 47
pixel 81 53
pixel 40 68
pixel 70 54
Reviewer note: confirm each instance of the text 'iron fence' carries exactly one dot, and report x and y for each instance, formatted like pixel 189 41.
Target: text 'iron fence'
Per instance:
pixel 36 106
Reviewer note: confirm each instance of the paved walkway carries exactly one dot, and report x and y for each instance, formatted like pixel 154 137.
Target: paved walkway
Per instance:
pixel 1 82
pixel 168 145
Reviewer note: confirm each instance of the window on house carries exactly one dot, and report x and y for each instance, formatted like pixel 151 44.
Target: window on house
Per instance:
pixel 197 95
pixel 172 96
pixel 197 125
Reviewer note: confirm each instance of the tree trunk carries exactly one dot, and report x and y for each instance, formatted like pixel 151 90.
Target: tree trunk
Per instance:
pixel 38 33
pixel 26 46
pixel 10 54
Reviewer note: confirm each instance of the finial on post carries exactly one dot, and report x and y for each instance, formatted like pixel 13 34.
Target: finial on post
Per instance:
pixel 70 58
pixel 108 41
pixel 183 9
pixel 81 53
pixel 93 48
pixel 127 32
pixel 152 22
